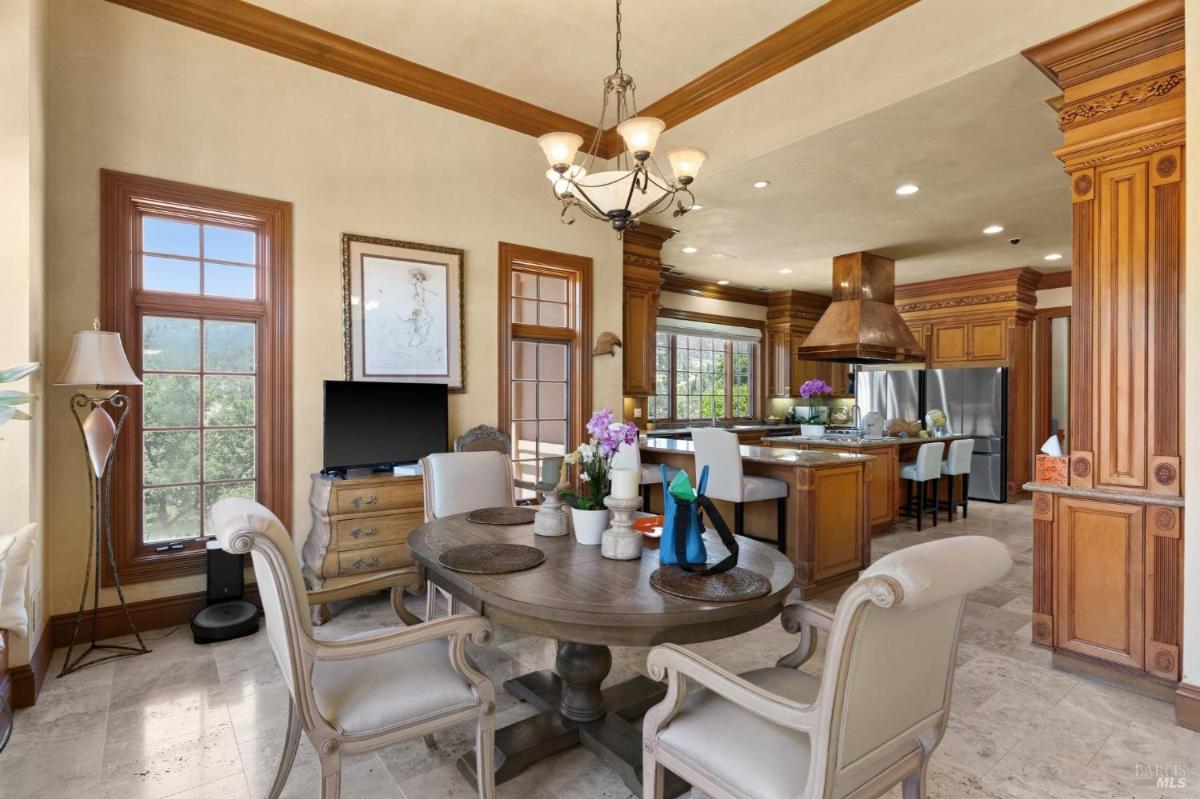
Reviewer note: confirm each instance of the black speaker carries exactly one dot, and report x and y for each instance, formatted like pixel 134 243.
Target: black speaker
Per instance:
pixel 227 615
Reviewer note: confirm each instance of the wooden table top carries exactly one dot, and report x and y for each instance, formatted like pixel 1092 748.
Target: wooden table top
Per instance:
pixel 578 595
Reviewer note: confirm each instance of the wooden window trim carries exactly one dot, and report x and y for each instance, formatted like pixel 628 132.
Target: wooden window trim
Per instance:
pixel 577 269
pixel 122 301
pixel 758 384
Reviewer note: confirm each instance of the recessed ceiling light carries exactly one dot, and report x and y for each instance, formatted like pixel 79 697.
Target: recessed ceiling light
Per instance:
pixel 1054 256
pixel 992 230
pixel 785 271
pixel 908 188
pixel 722 282
pixel 761 184
pixel 689 250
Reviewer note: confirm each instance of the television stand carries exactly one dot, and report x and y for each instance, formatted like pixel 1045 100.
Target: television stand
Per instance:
pixel 358 542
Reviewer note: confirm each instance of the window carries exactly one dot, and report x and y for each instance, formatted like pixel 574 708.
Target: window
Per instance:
pixel 701 373
pixel 545 377
pixel 197 281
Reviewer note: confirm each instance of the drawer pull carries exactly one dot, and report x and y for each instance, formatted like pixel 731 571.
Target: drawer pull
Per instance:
pixel 366 564
pixel 358 502
pixel 359 532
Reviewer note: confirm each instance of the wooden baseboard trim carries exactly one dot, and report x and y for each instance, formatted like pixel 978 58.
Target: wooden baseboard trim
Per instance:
pixel 27 680
pixel 151 614
pixel 1136 681
pixel 1187 706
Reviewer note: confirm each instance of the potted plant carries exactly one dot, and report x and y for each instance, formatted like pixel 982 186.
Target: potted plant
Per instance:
pixel 589 516
pixel 816 392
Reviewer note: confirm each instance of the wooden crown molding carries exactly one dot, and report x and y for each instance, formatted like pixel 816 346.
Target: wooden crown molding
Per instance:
pixel 793 306
pixel 1129 37
pixel 716 319
pixel 1012 287
pixel 266 30
pixel 710 290
pixel 1054 280
pixel 248 24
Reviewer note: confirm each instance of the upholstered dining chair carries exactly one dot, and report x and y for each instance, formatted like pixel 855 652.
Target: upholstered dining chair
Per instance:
pixel 720 451
pixel 629 456
pixel 458 482
pixel 367 691
pixel 958 464
pixel 871 721
pixel 923 473
pixel 484 438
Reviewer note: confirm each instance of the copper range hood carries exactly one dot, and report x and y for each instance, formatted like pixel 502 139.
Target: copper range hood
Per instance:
pixel 862 325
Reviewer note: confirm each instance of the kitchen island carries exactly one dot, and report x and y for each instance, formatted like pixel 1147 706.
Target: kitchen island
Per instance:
pixel 827 533
pixel 884 485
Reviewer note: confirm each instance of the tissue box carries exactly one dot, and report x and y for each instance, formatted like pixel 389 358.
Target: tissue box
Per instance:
pixel 1052 469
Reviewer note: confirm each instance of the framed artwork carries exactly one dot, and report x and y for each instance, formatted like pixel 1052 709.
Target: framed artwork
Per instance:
pixel 402 311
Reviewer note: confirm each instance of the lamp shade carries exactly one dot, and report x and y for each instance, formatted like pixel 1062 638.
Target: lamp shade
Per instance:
pixel 641 133
pixel 560 148
pixel 97 359
pixel 562 183
pixel 686 162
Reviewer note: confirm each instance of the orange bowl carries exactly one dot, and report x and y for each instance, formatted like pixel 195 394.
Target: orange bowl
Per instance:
pixel 651 529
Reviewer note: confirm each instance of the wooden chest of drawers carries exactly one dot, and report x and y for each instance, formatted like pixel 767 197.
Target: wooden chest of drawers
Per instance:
pixel 360 525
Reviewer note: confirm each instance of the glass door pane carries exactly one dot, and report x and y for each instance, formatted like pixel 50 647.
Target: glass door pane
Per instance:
pixel 541 401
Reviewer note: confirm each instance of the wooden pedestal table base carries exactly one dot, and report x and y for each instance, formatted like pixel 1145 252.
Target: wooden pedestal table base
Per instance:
pixel 588 603
pixel 574 710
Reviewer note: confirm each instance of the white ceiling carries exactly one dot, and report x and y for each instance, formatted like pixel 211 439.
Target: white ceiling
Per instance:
pixel 980 147
pixel 553 53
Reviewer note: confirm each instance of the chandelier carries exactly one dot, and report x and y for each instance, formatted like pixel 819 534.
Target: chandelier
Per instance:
pixel 637 186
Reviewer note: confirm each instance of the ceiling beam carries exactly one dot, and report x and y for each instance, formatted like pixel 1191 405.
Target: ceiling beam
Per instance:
pixel 266 30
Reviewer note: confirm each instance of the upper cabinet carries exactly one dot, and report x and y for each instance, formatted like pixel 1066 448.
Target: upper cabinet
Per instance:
pixel 790 317
pixel 979 343
pixel 642 288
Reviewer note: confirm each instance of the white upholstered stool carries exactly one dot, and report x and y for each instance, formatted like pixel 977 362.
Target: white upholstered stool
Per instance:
pixel 629 456
pixel 958 464
pixel 719 451
pixel 926 470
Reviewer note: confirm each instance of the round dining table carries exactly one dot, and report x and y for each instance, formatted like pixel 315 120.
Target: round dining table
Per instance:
pixel 588 603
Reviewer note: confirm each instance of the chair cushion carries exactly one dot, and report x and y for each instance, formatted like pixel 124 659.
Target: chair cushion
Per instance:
pixel 908 471
pixel 759 488
pixel 736 747
pixel 369 694
pixel 652 474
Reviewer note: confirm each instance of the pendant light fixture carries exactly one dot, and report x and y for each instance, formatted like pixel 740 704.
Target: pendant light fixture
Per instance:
pixel 637 186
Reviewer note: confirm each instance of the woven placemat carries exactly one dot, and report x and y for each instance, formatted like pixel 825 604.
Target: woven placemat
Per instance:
pixel 735 585
pixel 504 516
pixel 491 558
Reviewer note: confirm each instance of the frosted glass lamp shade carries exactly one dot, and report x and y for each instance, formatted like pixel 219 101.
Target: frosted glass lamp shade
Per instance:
pixel 686 162
pixel 610 190
pixel 560 148
pixel 562 183
pixel 97 359
pixel 641 134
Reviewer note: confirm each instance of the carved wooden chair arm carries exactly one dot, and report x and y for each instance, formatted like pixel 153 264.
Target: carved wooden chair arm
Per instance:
pixel 805 618
pixel 458 628
pixel 677 665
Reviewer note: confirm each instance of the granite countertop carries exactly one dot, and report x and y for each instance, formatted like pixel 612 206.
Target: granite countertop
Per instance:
pixel 659 432
pixel 1106 494
pixel 860 443
pixel 805 459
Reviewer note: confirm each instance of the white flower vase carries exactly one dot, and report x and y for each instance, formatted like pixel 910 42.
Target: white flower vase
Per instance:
pixel 812 430
pixel 589 525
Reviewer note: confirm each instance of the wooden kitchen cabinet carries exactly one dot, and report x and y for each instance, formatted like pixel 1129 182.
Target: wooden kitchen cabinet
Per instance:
pixel 982 342
pixel 949 343
pixel 1099 559
pixel 790 317
pixel 987 340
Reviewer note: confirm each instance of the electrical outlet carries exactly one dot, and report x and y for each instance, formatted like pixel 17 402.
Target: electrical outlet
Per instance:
pixel 637 413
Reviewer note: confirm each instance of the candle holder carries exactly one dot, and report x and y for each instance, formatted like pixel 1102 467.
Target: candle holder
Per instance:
pixel 551 517
pixel 621 541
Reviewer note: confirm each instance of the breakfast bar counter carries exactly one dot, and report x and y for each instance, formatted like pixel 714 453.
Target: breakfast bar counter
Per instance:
pixel 827 533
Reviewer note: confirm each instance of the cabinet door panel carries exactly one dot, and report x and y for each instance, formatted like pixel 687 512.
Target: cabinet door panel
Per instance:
pixel 1099 607
pixel 988 341
pixel 779 360
pixel 949 343
pixel 639 325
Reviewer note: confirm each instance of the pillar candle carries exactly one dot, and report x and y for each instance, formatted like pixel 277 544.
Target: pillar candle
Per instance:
pixel 624 483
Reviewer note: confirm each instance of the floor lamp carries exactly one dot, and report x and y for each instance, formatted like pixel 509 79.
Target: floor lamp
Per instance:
pixel 98 359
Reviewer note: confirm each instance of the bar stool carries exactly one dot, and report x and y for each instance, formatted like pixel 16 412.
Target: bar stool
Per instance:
pixel 958 464
pixel 629 456
pixel 720 452
pixel 926 469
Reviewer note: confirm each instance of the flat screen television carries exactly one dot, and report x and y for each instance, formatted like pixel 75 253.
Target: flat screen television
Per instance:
pixel 380 425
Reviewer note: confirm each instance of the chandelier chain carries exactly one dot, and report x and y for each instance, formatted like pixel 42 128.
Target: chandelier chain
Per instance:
pixel 619 37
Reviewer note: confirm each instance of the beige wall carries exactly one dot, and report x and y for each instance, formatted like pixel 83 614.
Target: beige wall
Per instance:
pixel 138 94
pixel 21 257
pixel 686 302
pixel 1054 298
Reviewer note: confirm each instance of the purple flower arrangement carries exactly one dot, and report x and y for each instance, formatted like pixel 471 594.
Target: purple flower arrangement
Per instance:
pixel 595 459
pixel 816 392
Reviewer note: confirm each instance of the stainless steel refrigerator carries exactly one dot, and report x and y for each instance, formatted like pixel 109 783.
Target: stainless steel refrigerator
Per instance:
pixel 975 402
pixel 895 393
